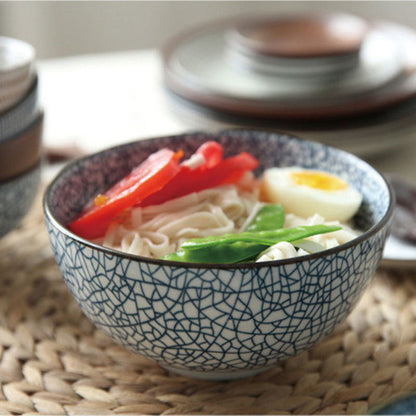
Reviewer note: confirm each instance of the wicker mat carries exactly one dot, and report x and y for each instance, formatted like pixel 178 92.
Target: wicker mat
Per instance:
pixel 53 361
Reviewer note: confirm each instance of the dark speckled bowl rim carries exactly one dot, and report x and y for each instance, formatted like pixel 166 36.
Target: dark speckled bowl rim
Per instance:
pixel 384 222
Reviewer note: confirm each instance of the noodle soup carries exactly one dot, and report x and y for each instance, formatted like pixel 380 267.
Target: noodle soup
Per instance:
pixel 208 196
pixel 220 320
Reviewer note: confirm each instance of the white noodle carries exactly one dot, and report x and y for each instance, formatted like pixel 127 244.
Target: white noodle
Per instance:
pixel 157 230
pixel 279 251
pixel 285 250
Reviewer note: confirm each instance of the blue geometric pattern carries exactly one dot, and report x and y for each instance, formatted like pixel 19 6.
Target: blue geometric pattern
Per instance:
pixel 16 198
pixel 217 321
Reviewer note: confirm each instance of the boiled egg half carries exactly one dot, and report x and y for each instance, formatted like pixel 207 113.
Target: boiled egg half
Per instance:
pixel 305 192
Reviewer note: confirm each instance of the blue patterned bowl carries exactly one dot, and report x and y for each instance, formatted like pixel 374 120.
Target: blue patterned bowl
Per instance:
pixel 217 321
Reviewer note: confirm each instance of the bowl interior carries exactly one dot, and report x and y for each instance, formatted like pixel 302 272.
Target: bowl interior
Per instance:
pixel 82 180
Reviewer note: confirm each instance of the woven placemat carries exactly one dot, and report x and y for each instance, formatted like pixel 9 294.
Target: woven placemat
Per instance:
pixel 53 361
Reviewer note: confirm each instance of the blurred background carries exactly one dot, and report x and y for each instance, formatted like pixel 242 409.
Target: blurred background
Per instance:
pixel 101 72
pixel 65 28
pixel 99 80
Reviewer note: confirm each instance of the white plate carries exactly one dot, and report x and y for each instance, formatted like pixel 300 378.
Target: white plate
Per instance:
pixel 399 254
pixel 203 62
pixel 363 141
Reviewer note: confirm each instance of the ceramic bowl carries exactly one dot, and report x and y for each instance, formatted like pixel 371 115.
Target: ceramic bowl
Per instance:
pixel 20 169
pixel 10 94
pixel 217 321
pixel 16 59
pixel 22 151
pixel 16 197
pixel 313 45
pixel 21 114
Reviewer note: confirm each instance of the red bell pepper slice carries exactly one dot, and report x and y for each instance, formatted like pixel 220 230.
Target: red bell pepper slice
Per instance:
pixel 212 153
pixel 189 180
pixel 150 176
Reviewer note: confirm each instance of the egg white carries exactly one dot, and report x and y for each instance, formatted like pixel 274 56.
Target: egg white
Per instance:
pixel 305 201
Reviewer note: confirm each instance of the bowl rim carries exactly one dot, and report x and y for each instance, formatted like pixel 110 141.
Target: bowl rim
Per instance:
pixel 25 51
pixel 375 228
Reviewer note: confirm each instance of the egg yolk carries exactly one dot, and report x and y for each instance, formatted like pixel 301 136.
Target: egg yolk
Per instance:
pixel 318 180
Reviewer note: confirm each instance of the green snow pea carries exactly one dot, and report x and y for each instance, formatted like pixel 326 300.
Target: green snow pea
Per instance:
pixel 234 248
pixel 220 253
pixel 267 237
pixel 269 217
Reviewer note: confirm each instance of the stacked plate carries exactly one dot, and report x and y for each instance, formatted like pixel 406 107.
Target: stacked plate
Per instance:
pixel 334 78
pixel 21 121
